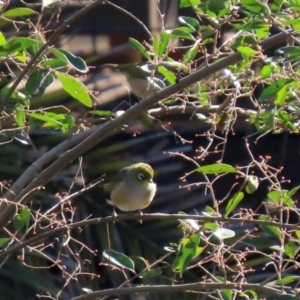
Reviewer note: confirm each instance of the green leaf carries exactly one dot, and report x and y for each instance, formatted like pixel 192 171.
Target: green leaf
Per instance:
pixel 15 46
pixel 20 115
pixel 2 39
pixel 233 202
pixel 255 7
pixel 102 113
pixel 280 197
pixel 139 47
pixel 216 169
pixel 290 249
pixel 18 12
pixel 54 63
pixel 33 82
pixel 190 22
pixel 272 230
pixel 3 241
pixel 119 259
pixel 178 33
pixel 151 273
pixel 75 88
pixel 281 96
pixel 188 251
pixel 266 72
pixel 249 295
pixel 21 219
pixel 164 42
pixel 191 53
pixel 286 280
pixel 40 40
pixel 226 293
pixel 271 91
pixel 246 52
pixel 251 184
pixel 52 120
pixel 189 3
pixel 169 75
pixel 76 62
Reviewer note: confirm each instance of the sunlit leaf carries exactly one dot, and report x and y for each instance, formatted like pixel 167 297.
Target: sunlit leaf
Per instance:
pixel 233 202
pixel 139 47
pixel 251 184
pixel 266 71
pixel 170 76
pixel 188 251
pixel 191 53
pixel 271 91
pixel 255 7
pixel 216 169
pixel 76 62
pixel 164 42
pixel 52 120
pixel 21 219
pixel 20 115
pixel 223 233
pixel 178 33
pixel 3 241
pixel 226 292
pixel 188 3
pixel 75 88
pixel 18 12
pixel 119 259
pixel 290 249
pixel 280 196
pixel 2 39
pixel 16 45
pixel 102 113
pixel 191 22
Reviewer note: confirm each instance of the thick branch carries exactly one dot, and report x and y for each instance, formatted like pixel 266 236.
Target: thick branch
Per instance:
pixel 199 286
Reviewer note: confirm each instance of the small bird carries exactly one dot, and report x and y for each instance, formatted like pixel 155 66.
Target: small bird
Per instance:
pixel 132 188
pixel 144 79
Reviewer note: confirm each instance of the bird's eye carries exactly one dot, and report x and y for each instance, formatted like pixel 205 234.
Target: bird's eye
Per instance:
pixel 141 176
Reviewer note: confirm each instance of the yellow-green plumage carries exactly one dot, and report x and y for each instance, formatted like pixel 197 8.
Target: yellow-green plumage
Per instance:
pixel 133 187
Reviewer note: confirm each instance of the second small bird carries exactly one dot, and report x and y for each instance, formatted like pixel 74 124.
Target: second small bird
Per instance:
pixel 144 79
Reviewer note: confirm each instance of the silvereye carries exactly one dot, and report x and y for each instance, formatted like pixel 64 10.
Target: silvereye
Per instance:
pixel 132 188
pixel 144 79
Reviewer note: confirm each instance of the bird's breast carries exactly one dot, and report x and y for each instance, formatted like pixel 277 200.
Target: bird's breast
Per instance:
pixel 129 198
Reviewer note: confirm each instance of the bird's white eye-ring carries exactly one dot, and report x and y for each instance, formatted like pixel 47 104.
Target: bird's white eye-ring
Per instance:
pixel 141 176
pixel 181 75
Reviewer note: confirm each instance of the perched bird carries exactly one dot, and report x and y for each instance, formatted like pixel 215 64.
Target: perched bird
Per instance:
pixel 132 188
pixel 145 79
